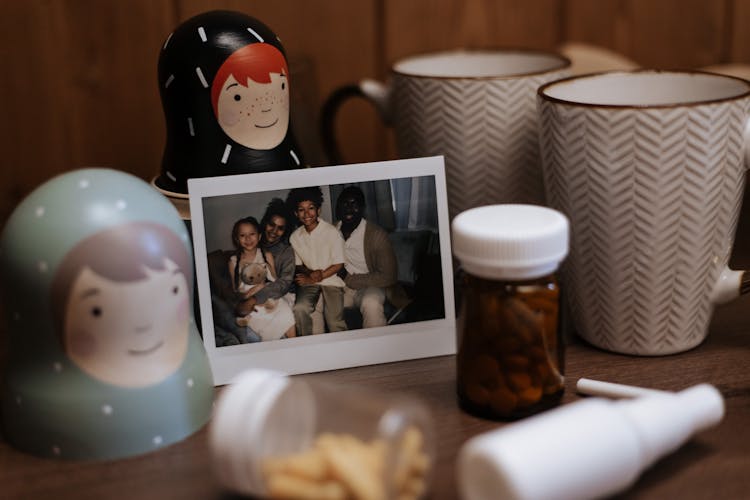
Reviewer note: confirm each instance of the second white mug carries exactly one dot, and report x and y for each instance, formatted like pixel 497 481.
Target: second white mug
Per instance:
pixel 649 166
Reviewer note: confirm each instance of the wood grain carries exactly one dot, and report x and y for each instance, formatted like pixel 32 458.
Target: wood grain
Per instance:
pixel 428 25
pixel 712 465
pixel 31 100
pixel 664 34
pixel 79 87
pixel 739 35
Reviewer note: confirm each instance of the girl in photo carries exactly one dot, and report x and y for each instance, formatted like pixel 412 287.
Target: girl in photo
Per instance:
pixel 250 269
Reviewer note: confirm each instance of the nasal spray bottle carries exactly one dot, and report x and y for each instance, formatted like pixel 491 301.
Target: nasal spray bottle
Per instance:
pixel 589 449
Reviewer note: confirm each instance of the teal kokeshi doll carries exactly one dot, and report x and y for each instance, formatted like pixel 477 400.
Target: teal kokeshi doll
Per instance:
pixel 104 359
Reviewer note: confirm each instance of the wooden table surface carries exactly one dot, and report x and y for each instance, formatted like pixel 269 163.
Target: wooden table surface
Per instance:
pixel 714 465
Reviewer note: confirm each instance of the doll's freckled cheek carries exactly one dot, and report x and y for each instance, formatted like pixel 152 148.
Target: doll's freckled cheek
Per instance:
pixel 82 344
pixel 229 117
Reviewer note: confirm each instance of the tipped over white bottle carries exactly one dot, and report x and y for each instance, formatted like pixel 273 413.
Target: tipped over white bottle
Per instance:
pixel 274 436
pixel 589 449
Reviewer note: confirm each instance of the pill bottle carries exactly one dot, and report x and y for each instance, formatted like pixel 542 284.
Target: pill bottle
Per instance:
pixel 510 351
pixel 274 436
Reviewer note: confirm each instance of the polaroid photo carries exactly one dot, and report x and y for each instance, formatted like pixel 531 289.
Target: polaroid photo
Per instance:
pixel 323 268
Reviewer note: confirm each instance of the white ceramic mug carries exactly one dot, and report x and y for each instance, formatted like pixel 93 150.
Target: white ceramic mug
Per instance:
pixel 477 108
pixel 650 168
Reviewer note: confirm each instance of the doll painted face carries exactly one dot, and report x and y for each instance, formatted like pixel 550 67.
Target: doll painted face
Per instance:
pixel 132 334
pixel 250 95
pixel 123 304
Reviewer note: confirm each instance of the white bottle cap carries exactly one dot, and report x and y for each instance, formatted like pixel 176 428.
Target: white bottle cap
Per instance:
pixel 510 242
pixel 259 414
pixel 589 449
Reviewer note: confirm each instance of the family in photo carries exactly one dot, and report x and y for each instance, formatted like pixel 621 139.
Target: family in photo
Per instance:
pixel 292 273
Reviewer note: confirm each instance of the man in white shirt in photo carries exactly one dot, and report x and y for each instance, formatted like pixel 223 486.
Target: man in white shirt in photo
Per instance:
pixel 319 255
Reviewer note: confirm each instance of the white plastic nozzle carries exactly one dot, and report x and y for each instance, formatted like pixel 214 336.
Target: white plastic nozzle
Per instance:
pixel 592 387
pixel 589 449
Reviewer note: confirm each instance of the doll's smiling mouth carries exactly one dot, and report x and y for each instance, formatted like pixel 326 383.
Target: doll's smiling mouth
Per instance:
pixel 144 352
pixel 267 126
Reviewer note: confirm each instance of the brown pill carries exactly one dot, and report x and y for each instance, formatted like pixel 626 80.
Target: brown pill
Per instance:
pixel 482 369
pixel 537 352
pixel 553 384
pixel 530 395
pixel 542 370
pixel 515 325
pixel 493 317
pixel 503 401
pixel 535 378
pixel 477 394
pixel 527 316
pixel 519 381
pixel 507 343
pixel 544 304
pixel 515 362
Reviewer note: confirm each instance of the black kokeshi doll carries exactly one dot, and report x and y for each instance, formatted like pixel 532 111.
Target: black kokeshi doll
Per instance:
pixel 224 84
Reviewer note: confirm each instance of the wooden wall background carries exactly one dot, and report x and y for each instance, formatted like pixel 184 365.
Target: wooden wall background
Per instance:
pixel 78 77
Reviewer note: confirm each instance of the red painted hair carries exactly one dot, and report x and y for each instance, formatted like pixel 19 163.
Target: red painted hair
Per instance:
pixel 255 61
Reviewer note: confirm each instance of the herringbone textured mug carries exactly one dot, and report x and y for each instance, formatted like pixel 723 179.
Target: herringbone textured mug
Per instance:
pixel 649 166
pixel 477 108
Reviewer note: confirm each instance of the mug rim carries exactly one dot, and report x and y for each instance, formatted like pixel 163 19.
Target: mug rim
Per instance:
pixel 556 100
pixel 563 62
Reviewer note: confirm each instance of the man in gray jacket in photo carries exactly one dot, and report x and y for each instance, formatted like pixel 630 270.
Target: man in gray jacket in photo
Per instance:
pixel 370 270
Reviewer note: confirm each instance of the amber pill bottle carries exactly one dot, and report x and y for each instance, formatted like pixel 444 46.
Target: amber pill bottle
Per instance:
pixel 510 352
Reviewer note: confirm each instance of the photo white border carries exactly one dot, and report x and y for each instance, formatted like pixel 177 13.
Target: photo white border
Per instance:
pixel 328 351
